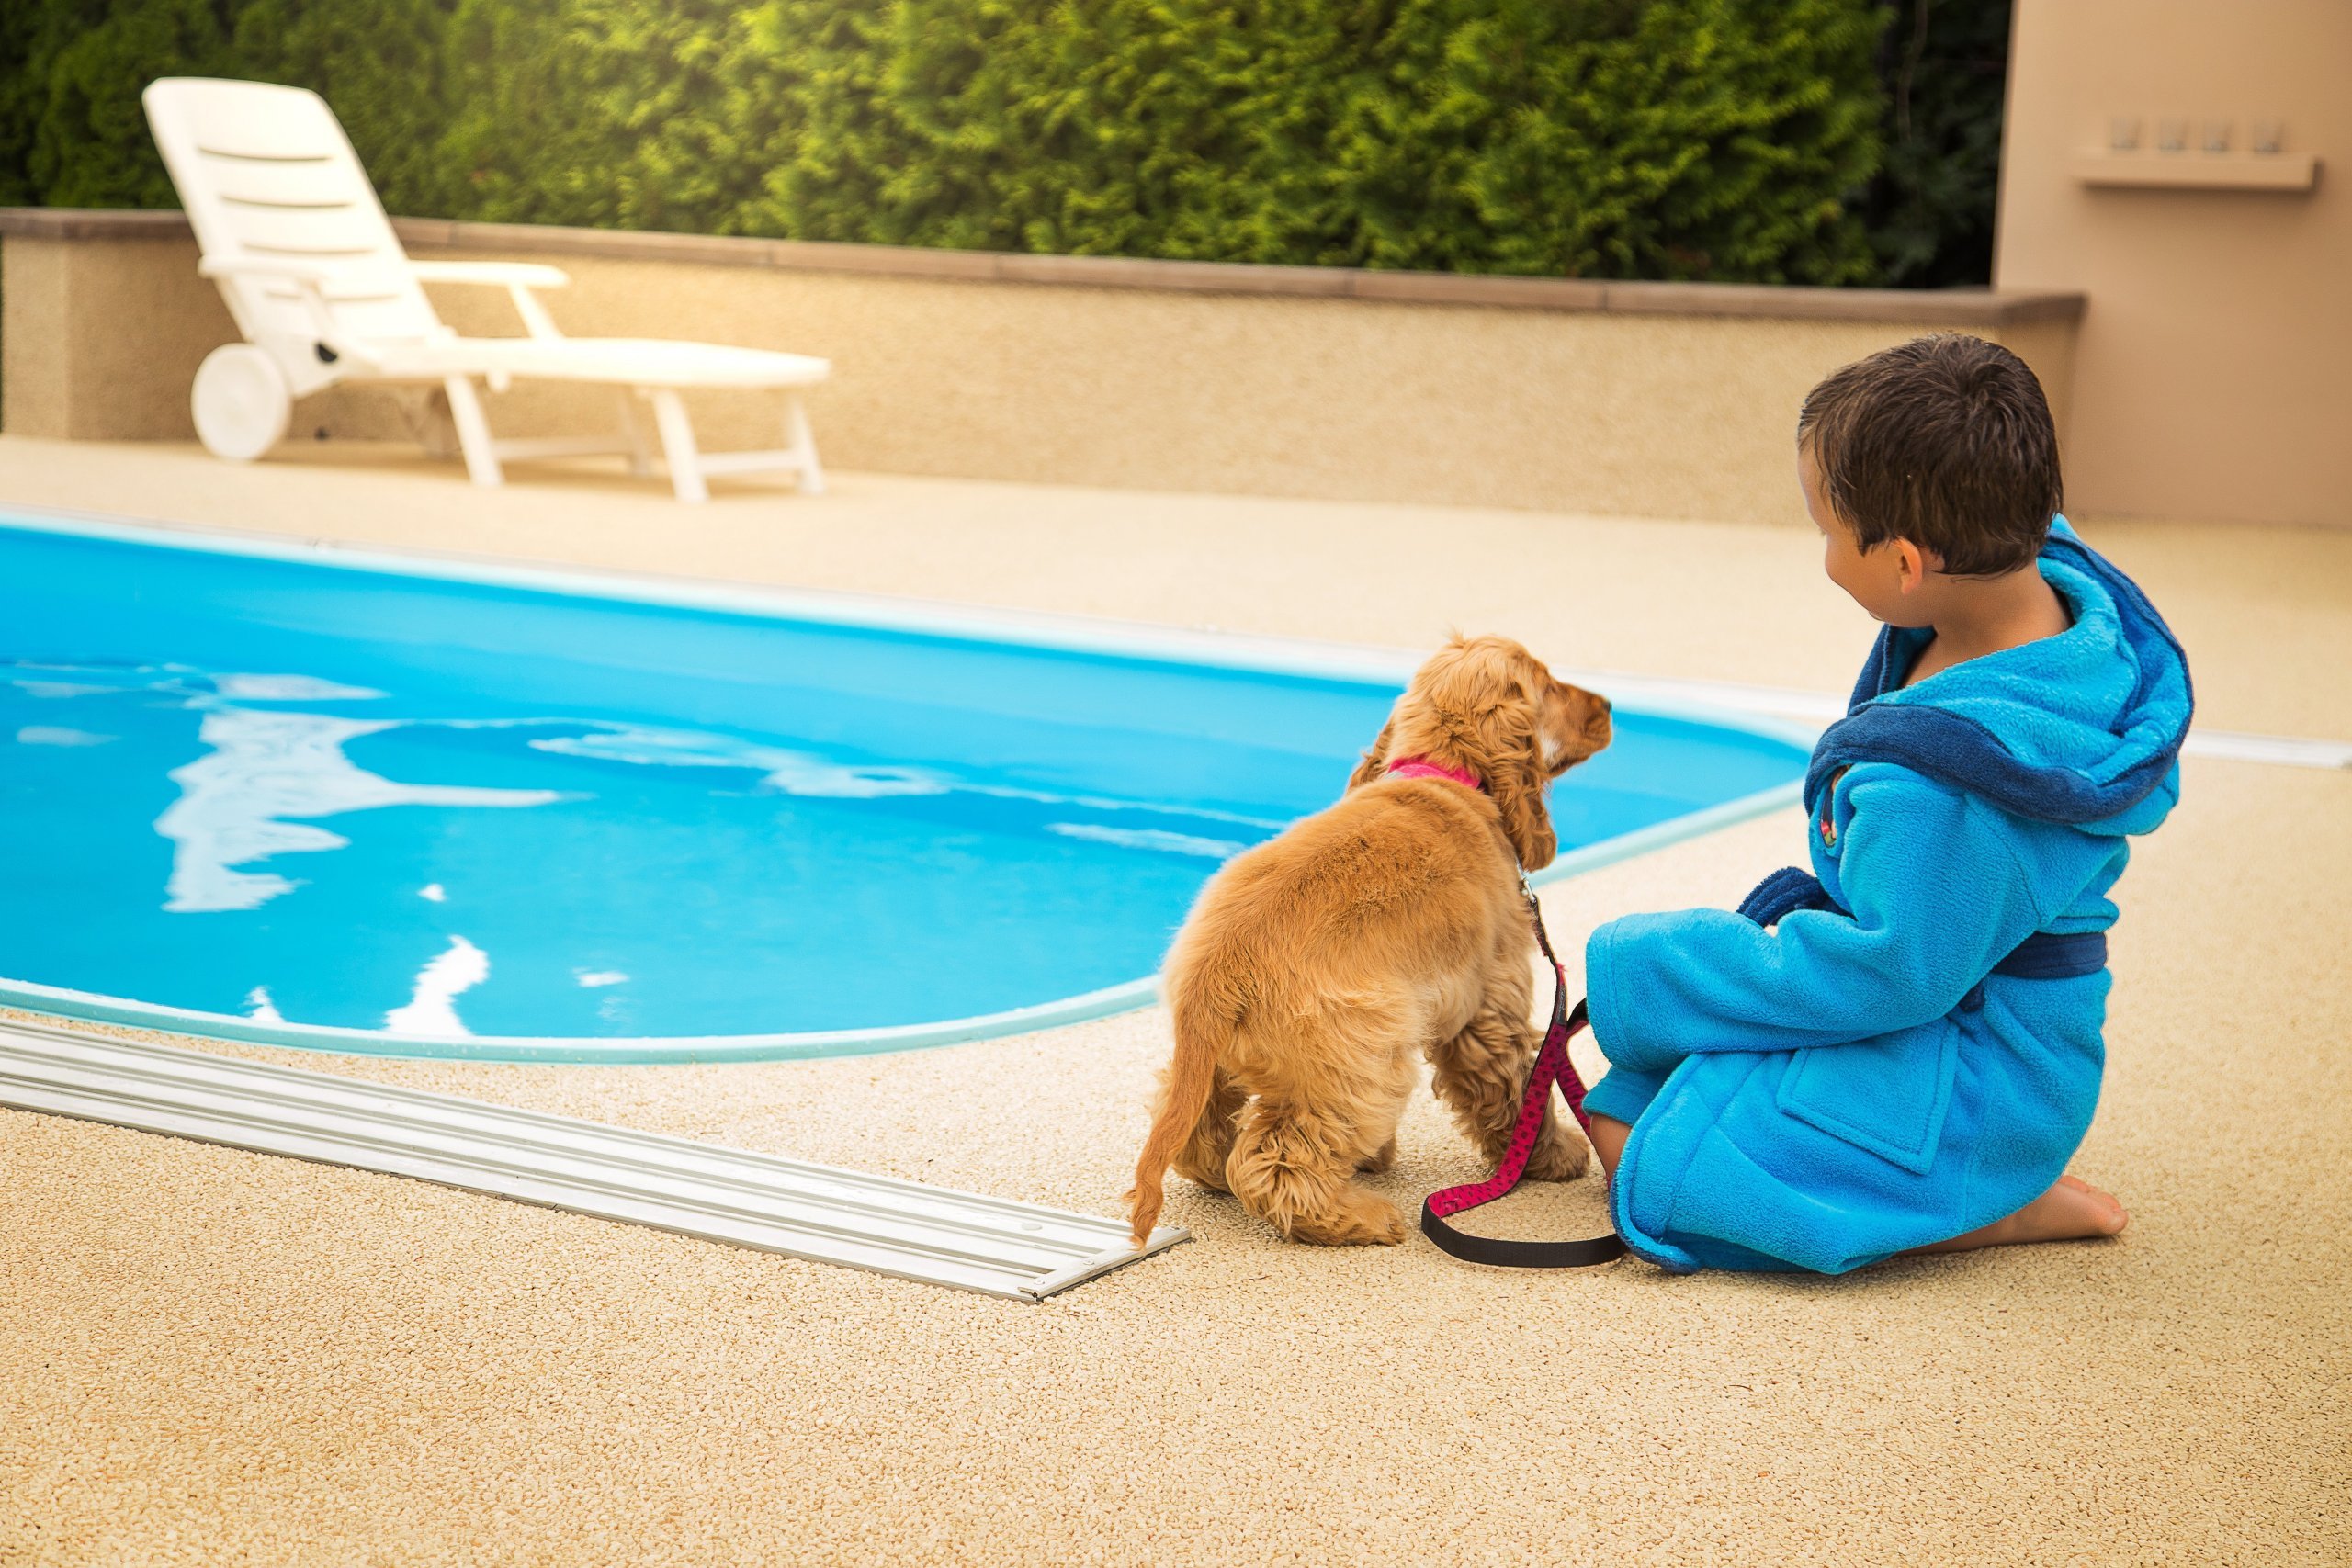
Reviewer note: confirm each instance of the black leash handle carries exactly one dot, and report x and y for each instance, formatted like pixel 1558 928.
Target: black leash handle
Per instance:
pixel 1552 1066
pixel 1500 1254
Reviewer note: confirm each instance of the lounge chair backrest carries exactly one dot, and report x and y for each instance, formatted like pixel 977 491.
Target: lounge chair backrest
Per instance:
pixel 267 173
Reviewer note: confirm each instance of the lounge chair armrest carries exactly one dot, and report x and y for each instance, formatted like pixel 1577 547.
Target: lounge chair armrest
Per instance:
pixel 518 279
pixel 309 279
pixel 501 275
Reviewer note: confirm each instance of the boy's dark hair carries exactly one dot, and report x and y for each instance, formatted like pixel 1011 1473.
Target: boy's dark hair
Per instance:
pixel 1945 441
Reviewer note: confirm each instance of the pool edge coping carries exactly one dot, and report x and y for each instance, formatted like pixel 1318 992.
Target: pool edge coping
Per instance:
pixel 1100 637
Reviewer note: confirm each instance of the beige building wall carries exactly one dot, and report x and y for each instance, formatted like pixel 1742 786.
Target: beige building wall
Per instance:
pixel 2213 370
pixel 100 340
pixel 1667 400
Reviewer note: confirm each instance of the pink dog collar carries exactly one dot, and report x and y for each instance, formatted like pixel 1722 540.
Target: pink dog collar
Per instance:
pixel 1423 768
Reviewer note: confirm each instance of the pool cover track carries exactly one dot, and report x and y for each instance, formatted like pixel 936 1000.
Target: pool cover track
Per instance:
pixel 1017 1251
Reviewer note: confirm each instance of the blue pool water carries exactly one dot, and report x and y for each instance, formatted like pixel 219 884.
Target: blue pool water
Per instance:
pixel 302 793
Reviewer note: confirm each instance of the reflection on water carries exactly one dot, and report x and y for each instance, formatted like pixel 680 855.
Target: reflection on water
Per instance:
pixel 787 772
pixel 1149 838
pixel 431 1010
pixel 286 689
pixel 629 877
pixel 265 768
pixel 268 771
pixel 57 735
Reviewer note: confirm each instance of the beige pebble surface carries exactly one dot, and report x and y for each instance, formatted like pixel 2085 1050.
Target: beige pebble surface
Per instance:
pixel 209 1357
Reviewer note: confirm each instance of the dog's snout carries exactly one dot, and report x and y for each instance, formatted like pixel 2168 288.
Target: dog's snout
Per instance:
pixel 1599 728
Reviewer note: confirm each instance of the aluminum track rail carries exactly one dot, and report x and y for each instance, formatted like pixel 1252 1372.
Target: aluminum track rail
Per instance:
pixel 1018 1251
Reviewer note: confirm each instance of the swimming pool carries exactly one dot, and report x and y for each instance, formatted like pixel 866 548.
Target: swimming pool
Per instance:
pixel 360 802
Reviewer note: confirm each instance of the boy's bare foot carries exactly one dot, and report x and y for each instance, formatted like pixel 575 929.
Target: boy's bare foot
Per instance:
pixel 2073 1210
pixel 1609 1136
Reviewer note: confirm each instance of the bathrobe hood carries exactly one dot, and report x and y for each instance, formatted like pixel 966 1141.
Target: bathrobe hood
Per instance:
pixel 2083 729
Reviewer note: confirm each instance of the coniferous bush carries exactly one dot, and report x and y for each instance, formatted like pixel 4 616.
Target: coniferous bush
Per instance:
pixel 1930 211
pixel 1676 139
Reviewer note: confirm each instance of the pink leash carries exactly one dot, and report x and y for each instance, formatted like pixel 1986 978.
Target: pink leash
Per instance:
pixel 1552 1066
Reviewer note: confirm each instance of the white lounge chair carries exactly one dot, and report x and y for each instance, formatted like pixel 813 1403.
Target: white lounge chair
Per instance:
pixel 290 227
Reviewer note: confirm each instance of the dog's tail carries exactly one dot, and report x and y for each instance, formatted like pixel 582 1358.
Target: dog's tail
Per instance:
pixel 1183 1096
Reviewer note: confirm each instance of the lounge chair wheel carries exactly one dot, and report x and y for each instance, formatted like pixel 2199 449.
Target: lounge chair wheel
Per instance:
pixel 240 402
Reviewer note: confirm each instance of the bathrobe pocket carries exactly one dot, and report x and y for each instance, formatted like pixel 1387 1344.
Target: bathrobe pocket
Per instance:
pixel 1888 1094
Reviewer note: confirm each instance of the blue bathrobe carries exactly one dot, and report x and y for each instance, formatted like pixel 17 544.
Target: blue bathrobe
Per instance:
pixel 1893 1057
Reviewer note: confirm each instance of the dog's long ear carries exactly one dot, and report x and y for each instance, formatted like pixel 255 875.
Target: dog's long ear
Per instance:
pixel 1513 732
pixel 1375 761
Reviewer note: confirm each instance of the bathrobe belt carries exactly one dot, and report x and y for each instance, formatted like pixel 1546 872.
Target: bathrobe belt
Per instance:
pixel 2044 955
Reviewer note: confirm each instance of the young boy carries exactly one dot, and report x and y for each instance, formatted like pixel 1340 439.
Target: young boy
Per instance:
pixel 1900 1052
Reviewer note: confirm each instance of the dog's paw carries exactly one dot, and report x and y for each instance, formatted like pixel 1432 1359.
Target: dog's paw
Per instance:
pixel 1560 1155
pixel 1384 1229
pixel 1380 1159
pixel 1370 1222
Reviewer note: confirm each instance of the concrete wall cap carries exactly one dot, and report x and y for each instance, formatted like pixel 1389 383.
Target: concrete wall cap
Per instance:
pixel 1955 307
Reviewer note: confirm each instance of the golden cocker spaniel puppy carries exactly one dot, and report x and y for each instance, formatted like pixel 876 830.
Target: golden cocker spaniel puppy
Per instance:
pixel 1316 967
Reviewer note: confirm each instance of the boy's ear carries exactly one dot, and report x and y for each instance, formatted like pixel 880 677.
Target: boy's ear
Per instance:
pixel 1911 564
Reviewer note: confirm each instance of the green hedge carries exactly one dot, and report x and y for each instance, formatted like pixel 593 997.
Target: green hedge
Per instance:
pixel 1930 210
pixel 1672 139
